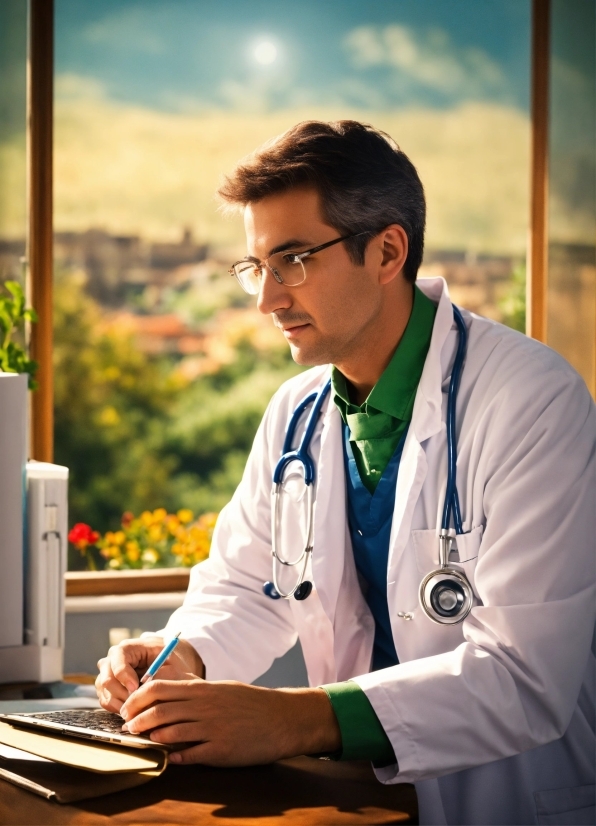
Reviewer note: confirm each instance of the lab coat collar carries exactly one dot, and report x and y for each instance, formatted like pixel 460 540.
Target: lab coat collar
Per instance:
pixel 427 413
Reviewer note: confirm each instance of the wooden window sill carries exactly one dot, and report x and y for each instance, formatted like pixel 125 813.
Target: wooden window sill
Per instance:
pixel 103 583
pixel 116 603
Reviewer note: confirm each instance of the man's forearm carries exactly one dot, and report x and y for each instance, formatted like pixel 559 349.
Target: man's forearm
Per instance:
pixel 231 723
pixel 312 726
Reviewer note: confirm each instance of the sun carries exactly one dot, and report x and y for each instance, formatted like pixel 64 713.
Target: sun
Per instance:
pixel 265 52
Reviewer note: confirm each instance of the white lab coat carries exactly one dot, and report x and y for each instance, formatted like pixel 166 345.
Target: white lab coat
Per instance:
pixel 492 719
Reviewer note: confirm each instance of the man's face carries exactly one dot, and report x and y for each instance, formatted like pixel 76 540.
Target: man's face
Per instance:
pixel 325 318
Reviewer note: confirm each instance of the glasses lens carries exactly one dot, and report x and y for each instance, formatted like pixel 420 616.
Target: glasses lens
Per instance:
pixel 248 275
pixel 287 268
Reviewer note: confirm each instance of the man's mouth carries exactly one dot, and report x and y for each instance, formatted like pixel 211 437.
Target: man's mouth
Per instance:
pixel 291 327
pixel 293 330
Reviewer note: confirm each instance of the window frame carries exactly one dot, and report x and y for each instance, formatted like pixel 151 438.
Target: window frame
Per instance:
pixel 40 254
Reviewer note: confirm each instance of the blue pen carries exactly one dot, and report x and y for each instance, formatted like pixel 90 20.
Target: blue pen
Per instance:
pixel 160 659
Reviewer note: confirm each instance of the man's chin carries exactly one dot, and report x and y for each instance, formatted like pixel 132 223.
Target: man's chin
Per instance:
pixel 308 356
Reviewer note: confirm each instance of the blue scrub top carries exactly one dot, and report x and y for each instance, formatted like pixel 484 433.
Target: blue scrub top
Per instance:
pixel 369 519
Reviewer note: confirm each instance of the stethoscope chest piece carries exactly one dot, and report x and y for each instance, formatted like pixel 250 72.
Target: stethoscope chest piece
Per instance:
pixel 446 596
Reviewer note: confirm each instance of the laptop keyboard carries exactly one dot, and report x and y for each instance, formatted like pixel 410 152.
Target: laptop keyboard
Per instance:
pixel 83 718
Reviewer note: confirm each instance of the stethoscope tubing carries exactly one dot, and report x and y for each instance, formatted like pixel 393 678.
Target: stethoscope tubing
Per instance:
pixel 301 454
pixel 451 505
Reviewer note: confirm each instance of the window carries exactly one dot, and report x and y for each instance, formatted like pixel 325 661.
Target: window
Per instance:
pixel 13 139
pixel 571 324
pixel 163 367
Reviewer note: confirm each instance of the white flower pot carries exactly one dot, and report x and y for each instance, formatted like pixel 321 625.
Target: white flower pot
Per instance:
pixel 13 458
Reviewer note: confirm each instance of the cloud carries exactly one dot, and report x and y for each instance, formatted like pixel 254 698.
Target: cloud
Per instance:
pixel 428 60
pixel 69 86
pixel 125 30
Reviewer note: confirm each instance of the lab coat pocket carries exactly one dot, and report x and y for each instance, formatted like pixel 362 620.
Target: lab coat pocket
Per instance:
pixel 426 548
pixel 466 556
pixel 574 806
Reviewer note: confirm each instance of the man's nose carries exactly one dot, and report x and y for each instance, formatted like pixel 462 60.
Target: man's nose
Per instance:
pixel 272 296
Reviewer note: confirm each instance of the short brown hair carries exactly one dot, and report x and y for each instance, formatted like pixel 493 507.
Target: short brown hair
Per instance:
pixel 364 179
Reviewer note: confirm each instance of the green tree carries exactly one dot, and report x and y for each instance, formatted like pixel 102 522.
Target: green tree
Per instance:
pixel 133 433
pixel 513 303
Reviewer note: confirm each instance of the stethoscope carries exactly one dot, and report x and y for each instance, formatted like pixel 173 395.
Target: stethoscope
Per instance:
pixel 445 594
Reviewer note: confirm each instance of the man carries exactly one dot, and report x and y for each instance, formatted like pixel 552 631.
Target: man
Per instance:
pixel 491 717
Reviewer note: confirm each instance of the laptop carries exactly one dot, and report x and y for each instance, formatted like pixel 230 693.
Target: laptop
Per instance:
pixel 89 724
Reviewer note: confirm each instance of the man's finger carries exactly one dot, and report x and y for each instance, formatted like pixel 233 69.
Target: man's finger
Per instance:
pixel 181 733
pixel 106 680
pixel 195 754
pixel 156 691
pixel 115 688
pixel 123 661
pixel 161 714
pixel 109 702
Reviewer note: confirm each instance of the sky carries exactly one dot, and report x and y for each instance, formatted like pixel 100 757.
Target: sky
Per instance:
pixel 191 55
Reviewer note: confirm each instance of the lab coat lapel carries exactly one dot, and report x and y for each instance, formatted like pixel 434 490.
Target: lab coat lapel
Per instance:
pixel 426 422
pixel 330 512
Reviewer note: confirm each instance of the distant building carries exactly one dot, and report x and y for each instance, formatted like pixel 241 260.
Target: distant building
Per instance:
pixel 158 334
pixel 118 264
pixel 476 282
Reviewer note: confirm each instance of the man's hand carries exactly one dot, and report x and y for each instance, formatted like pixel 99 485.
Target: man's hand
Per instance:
pixel 232 724
pixel 125 663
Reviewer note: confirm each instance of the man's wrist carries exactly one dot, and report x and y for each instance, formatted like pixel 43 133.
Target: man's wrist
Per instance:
pixel 312 724
pixel 198 666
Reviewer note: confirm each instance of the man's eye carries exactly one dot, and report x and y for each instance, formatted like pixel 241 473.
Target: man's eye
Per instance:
pixel 292 258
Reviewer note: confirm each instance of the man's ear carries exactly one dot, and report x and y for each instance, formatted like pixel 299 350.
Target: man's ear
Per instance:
pixel 394 245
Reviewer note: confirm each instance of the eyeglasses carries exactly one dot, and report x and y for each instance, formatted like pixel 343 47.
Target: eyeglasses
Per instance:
pixel 286 267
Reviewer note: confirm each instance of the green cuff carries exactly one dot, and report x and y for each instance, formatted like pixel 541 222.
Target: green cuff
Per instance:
pixel 362 735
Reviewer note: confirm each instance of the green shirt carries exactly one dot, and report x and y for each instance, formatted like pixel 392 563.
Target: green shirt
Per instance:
pixel 377 425
pixel 375 430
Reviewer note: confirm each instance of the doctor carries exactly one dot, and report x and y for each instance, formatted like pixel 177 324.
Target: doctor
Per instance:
pixel 488 707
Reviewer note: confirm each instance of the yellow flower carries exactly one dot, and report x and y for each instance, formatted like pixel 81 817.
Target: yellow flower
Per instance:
pixel 146 518
pixel 159 515
pixel 151 556
pixel 111 551
pixel 185 516
pixel 155 533
pixel 119 537
pixel 109 416
pixel 208 520
pixel 172 524
pixel 133 552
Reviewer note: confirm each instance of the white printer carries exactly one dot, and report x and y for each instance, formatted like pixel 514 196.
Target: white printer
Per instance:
pixel 33 549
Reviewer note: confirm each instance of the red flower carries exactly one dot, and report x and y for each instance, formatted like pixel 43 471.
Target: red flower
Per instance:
pixel 127 518
pixel 82 535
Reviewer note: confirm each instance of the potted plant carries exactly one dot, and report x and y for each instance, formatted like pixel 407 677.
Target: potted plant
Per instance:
pixel 16 374
pixel 13 316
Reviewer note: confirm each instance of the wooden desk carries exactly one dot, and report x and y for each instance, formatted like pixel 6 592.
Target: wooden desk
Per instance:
pixel 298 792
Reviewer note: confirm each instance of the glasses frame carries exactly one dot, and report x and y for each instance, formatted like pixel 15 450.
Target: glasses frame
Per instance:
pixel 297 256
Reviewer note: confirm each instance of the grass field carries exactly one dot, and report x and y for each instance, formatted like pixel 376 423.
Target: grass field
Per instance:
pixel 134 170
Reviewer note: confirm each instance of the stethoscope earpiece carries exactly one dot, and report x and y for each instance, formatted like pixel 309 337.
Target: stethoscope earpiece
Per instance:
pixel 270 590
pixel 303 590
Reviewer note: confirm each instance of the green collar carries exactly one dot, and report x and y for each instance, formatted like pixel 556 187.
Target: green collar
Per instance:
pixel 395 391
